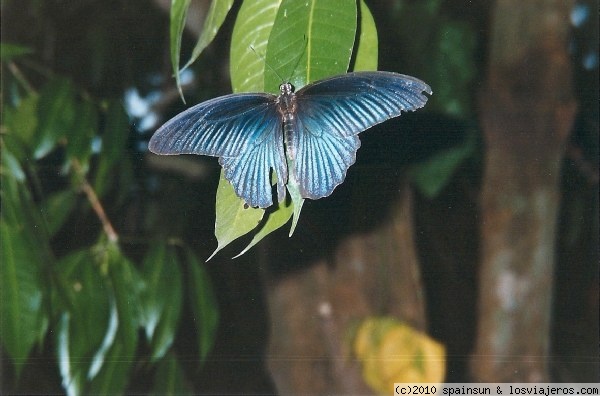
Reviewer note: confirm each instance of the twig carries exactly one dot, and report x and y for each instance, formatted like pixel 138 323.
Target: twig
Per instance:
pixel 95 202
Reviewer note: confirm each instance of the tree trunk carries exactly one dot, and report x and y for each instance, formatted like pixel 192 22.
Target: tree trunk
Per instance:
pixel 527 114
pixel 313 311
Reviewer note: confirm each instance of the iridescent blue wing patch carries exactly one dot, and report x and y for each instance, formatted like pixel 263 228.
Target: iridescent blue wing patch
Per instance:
pixel 243 130
pixel 331 113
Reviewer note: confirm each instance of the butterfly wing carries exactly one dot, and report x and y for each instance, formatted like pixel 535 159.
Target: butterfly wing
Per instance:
pixel 331 113
pixel 243 130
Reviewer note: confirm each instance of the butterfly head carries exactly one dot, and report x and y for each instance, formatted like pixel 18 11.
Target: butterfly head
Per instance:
pixel 286 88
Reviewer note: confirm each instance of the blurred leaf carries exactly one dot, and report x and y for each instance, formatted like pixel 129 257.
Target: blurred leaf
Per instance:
pixel 86 327
pixel 179 9
pixel 233 219
pixel 367 47
pixel 114 140
pixel 252 29
pixel 214 19
pixel 162 298
pixel 432 175
pixel 79 138
pixel 452 68
pixel 169 379
pixel 204 304
pixel 10 51
pixel 441 51
pixel 56 112
pixel 11 166
pixel 127 286
pixel 56 209
pixel 21 293
pixel 391 351
pixel 21 123
pixel 310 40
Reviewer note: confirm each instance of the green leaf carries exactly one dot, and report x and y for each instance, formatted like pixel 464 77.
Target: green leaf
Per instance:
pixel 367 47
pixel 233 218
pixel 204 304
pixel 88 320
pixel 10 51
pixel 251 30
pixel 114 140
pixel 453 68
pixel 56 112
pixel 161 298
pixel 21 293
pixel 169 379
pixel 310 40
pixel 215 18
pixel 79 137
pixel 432 175
pixel 21 123
pixel 56 209
pixel 127 286
pixel 179 10
pixel 274 221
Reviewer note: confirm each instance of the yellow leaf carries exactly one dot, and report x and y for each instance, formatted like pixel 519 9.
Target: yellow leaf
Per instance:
pixel 391 351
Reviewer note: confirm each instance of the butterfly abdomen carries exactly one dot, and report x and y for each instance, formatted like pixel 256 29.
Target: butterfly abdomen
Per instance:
pixel 286 106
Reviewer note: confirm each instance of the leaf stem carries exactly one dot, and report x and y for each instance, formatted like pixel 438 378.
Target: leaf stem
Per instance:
pixel 95 202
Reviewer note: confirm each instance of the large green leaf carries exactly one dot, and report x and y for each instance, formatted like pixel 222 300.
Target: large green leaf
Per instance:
pixel 252 29
pixel 161 298
pixel 21 293
pixel 233 217
pixel 310 40
pixel 179 9
pixel 127 285
pixel 86 327
pixel 23 255
pixel 204 304
pixel 215 18
pixel 367 48
pixel 56 112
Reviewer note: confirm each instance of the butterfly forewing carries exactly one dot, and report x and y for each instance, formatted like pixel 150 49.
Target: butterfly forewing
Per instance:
pixel 244 130
pixel 331 112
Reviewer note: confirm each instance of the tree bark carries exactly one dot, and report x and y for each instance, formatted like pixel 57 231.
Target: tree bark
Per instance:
pixel 313 311
pixel 527 114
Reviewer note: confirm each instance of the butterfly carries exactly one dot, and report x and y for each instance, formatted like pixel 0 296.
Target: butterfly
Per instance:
pixel 310 135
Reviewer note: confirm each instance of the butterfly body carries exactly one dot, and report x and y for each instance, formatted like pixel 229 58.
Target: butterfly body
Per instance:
pixel 315 128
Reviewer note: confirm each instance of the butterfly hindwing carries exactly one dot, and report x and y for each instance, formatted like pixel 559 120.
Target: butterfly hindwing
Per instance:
pixel 244 130
pixel 331 113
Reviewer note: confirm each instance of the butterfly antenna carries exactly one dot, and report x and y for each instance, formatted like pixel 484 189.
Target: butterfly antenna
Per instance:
pixel 265 61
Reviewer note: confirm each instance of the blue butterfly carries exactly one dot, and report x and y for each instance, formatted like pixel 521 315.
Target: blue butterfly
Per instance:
pixel 314 130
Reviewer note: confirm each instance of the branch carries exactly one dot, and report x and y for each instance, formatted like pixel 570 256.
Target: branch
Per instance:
pixel 95 202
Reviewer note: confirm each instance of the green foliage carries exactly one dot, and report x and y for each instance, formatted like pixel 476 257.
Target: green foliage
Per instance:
pixel 433 174
pixel 441 51
pixel 93 301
